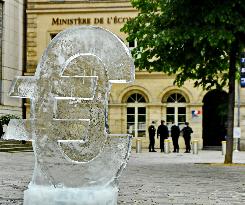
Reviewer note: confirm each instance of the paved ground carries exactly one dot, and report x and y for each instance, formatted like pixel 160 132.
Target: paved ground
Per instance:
pixel 150 178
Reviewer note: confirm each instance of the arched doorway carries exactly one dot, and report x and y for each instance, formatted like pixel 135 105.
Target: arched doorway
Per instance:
pixel 215 109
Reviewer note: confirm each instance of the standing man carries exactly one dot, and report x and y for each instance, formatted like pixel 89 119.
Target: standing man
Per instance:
pixel 187 136
pixel 152 132
pixel 162 131
pixel 175 132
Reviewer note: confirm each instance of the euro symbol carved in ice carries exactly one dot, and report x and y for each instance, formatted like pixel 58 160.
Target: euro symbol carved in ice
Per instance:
pixel 69 99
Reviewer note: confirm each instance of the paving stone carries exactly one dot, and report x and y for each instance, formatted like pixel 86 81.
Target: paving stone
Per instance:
pixel 149 179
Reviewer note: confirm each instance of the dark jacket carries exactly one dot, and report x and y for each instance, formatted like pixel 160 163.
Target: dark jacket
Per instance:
pixel 175 131
pixel 162 130
pixel 187 131
pixel 152 131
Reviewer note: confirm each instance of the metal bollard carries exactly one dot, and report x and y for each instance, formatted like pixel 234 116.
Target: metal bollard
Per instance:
pixel 138 145
pixel 223 147
pixel 169 144
pixel 166 146
pixel 235 145
pixel 195 146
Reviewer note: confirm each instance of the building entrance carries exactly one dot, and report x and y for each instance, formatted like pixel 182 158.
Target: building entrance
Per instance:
pixel 215 109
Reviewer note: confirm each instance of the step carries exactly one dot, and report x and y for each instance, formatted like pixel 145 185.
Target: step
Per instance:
pixel 16 149
pixel 214 148
pixel 15 146
pixel 12 141
pixel 20 151
pixel 3 142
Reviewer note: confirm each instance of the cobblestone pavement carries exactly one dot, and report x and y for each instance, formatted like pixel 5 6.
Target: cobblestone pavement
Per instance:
pixel 150 178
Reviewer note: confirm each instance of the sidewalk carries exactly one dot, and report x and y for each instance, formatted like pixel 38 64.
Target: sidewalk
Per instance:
pixel 150 178
pixel 183 178
pixel 203 156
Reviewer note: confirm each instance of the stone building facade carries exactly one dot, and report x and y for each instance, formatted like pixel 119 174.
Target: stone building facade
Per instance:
pixel 11 53
pixel 152 96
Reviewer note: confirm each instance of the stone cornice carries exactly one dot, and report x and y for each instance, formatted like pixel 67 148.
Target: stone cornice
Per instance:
pixel 152 75
pixel 78 6
pixel 80 10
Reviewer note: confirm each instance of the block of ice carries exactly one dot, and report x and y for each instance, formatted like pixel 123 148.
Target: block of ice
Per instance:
pixel 77 160
pixel 70 196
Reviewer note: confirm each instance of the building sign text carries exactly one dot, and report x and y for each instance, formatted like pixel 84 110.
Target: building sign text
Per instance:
pixel 87 21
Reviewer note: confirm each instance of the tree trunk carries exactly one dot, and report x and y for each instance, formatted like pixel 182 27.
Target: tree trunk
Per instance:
pixel 232 73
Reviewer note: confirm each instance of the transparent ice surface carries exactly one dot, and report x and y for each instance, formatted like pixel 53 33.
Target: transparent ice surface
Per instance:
pixel 23 87
pixel 69 108
pixel 20 126
pixel 72 196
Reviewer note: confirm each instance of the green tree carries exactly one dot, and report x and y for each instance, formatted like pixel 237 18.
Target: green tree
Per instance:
pixel 195 40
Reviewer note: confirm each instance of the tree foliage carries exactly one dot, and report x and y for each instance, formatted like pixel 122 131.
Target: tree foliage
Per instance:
pixel 197 40
pixel 189 38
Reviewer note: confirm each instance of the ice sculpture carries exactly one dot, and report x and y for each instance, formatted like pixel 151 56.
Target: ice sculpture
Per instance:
pixel 77 162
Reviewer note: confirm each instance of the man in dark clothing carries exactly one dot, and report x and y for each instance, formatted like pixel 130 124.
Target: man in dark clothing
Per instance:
pixel 162 131
pixel 175 131
pixel 152 132
pixel 187 137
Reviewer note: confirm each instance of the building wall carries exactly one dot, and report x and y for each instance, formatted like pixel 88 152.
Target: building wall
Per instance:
pixel 11 53
pixel 156 87
pixel 46 18
pixel 240 115
pixel 1 45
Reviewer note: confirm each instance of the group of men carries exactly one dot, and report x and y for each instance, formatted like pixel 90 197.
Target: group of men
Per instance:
pixel 163 133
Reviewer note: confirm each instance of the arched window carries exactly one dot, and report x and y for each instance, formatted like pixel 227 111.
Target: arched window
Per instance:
pixel 176 109
pixel 176 97
pixel 136 97
pixel 136 115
